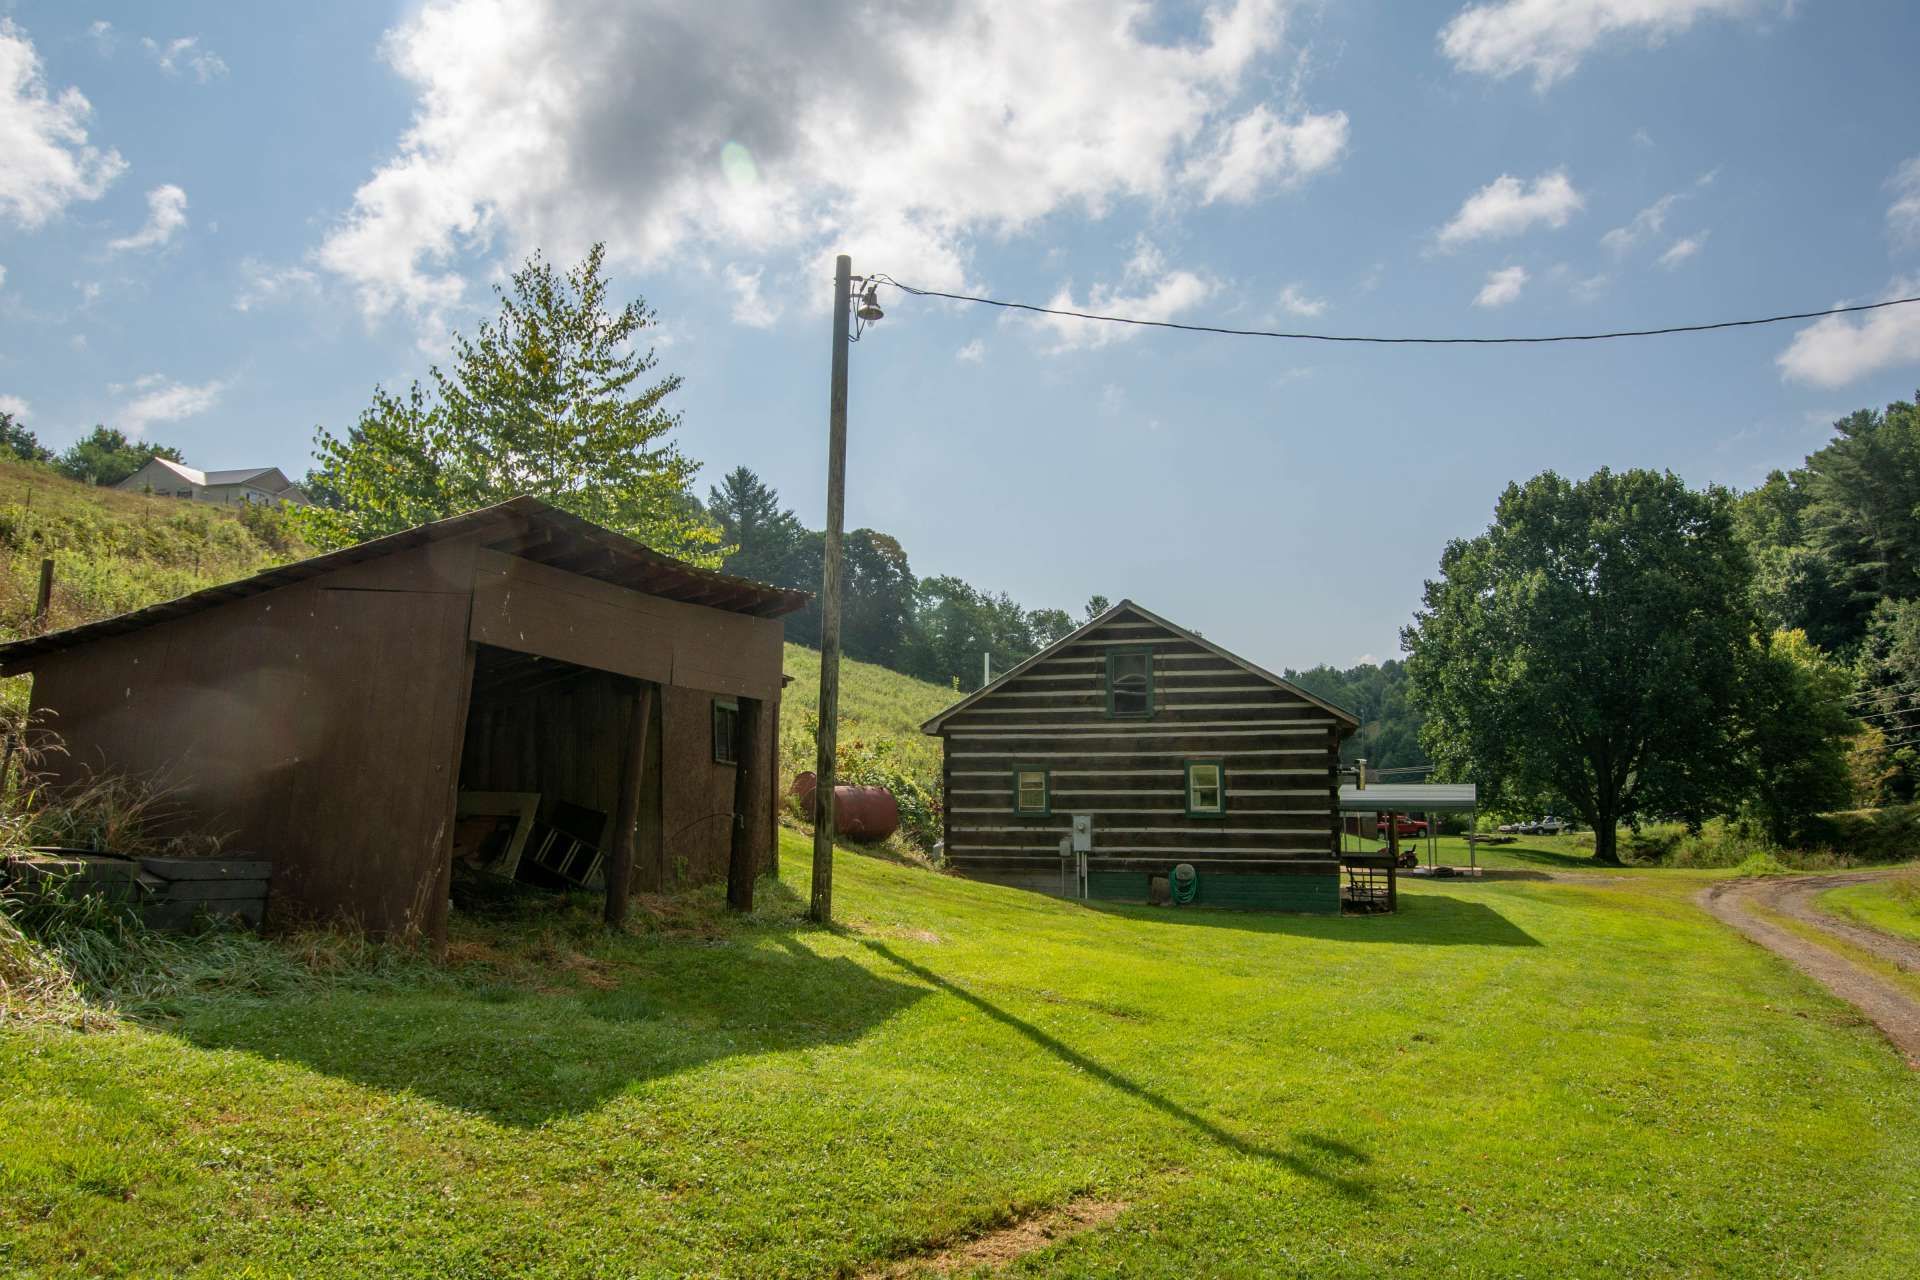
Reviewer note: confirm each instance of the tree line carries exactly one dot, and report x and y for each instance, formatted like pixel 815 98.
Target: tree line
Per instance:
pixel 935 628
pixel 104 456
pixel 1626 647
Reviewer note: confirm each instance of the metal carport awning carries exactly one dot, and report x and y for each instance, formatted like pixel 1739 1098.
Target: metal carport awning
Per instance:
pixel 1415 797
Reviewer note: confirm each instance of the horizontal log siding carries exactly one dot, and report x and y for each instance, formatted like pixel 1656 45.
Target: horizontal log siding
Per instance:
pixel 1278 748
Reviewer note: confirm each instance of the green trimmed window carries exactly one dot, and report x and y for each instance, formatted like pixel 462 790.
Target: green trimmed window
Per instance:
pixel 1206 789
pixel 1032 793
pixel 1130 682
pixel 726 732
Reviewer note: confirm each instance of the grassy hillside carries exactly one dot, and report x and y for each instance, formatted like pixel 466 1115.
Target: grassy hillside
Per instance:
pixel 116 551
pixel 1517 1077
pixel 878 708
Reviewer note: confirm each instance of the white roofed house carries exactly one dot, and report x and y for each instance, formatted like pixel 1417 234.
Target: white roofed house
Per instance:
pixel 164 478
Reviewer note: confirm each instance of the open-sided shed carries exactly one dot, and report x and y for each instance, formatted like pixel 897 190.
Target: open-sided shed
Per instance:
pixel 329 713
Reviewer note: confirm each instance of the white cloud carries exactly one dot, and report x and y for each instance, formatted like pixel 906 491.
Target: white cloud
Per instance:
pixel 1903 215
pixel 1502 286
pixel 1646 223
pixel 266 284
pixel 973 353
pixel 1507 207
pixel 164 400
pixel 184 54
pixel 901 135
pixel 1591 287
pixel 166 215
pixel 1260 149
pixel 1149 291
pixel 44 139
pixel 1836 350
pixel 1549 38
pixel 1295 301
pixel 1680 250
pixel 14 405
pixel 3 275
pixel 750 307
pixel 104 38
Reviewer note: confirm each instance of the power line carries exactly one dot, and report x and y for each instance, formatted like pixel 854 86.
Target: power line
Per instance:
pixel 1888 693
pixel 1427 342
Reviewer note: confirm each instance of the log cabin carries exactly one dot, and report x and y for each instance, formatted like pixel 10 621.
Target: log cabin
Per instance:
pixel 331 715
pixel 1171 749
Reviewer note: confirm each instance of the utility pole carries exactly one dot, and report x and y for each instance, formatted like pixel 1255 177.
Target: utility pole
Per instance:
pixel 821 909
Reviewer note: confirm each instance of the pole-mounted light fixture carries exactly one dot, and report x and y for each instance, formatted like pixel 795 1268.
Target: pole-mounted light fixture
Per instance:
pixel 864 294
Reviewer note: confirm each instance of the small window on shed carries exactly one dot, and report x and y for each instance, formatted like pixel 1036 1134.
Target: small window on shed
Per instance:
pixel 1030 790
pixel 1130 682
pixel 1206 788
pixel 726 732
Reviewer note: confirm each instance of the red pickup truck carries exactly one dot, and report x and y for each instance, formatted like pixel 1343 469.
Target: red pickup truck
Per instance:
pixel 1404 827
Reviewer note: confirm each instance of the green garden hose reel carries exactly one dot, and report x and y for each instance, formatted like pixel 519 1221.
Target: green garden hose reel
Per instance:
pixel 1183 884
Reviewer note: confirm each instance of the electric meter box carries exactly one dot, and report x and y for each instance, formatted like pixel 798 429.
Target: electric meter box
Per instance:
pixel 1083 833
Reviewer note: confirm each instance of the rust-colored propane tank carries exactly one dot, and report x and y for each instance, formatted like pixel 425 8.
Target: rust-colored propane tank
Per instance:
pixel 859 813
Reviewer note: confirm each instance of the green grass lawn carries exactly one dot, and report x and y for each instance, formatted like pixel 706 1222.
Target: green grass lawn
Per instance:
pixel 1539 853
pixel 1511 1077
pixel 1891 905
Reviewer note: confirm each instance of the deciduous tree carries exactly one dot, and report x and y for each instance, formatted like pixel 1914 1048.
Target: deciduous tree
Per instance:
pixel 1590 646
pixel 1794 733
pixel 105 456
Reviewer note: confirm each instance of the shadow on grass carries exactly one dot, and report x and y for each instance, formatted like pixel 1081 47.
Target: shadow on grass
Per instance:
pixel 1495 854
pixel 1323 1160
pixel 1424 919
pixel 521 1057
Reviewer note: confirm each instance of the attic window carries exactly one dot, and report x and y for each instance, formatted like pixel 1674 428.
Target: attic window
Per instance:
pixel 1130 682
pixel 726 732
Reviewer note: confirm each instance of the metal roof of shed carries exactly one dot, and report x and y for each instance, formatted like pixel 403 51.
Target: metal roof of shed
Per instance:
pixel 1410 797
pixel 523 526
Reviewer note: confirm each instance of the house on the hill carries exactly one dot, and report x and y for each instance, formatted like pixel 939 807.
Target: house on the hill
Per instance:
pixel 1170 749
pixel 164 478
pixel 515 686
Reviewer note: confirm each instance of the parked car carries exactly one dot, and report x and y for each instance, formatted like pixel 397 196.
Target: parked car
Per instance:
pixel 1405 827
pixel 1550 826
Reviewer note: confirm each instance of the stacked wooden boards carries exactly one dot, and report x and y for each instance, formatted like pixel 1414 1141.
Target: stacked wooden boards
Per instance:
pixel 167 893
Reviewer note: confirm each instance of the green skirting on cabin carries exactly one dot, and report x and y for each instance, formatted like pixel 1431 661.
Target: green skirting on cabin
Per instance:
pixel 1310 893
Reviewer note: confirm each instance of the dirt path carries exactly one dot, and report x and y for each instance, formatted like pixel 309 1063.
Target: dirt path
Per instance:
pixel 1896 1013
pixel 1794 897
pixel 1006 1245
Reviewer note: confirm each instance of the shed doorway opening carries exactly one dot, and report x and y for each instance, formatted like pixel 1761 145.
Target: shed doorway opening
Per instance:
pixel 543 767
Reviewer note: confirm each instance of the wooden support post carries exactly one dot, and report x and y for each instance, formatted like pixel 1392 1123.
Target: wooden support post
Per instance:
pixel 1393 862
pixel 773 791
pixel 44 600
pixel 820 909
pixel 626 808
pixel 748 782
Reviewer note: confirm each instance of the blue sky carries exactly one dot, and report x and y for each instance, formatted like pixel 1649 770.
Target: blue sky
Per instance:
pixel 223 225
